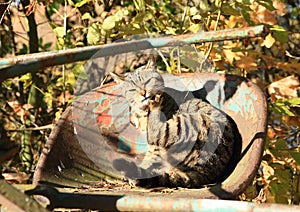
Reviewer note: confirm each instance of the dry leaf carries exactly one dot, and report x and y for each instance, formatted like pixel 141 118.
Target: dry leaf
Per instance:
pixel 292 66
pixel 280 8
pixel 30 8
pixel 269 41
pixel 19 177
pixel 271 133
pixel 262 15
pixel 64 98
pixel 284 88
pixel 19 109
pixel 234 20
pixel 291 120
pixel 247 62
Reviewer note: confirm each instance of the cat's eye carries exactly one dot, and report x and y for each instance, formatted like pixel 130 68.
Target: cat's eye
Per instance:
pixel 152 97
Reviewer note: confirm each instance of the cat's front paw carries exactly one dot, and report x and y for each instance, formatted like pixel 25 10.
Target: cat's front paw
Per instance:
pixel 155 104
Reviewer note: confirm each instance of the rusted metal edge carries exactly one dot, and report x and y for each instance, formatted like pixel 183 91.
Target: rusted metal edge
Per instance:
pixel 19 65
pixel 12 199
pixel 119 202
pixel 138 203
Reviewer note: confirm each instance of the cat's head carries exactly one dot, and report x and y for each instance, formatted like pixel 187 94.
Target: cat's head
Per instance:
pixel 138 88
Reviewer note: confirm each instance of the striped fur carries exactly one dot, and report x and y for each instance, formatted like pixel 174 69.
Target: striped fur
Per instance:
pixel 190 145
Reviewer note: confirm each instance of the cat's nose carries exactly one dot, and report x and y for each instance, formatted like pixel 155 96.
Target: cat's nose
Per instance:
pixel 143 93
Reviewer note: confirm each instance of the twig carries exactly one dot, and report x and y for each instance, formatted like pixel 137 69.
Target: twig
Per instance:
pixel 211 44
pixel 163 58
pixel 46 127
pixel 6 10
pixel 292 56
pixel 178 60
pixel 184 15
pixel 64 48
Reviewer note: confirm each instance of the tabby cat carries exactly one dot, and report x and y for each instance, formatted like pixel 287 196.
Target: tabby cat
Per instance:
pixel 191 143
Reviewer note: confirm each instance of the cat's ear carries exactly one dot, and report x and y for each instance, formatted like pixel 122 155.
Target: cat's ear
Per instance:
pixel 118 79
pixel 151 63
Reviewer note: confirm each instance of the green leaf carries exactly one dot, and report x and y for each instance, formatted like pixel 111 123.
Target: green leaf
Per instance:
pixel 204 6
pixel 279 191
pixel 246 16
pixel 193 11
pixel 170 31
pixel 121 14
pixel 81 3
pixel 87 16
pixel 194 28
pixel 59 32
pixel 47 45
pixel 139 5
pixel 281 144
pixel 143 17
pixel 197 17
pixel 70 2
pixel 109 23
pixel 281 108
pixel 79 70
pixel 267 4
pixel 93 35
pixel 243 7
pixel 286 111
pixel 25 77
pixel 275 152
pixel 7 84
pixel 274 188
pixel 294 101
pixel 296 156
pixel 295 11
pixel 229 10
pixel 248 2
pixel 71 79
pixel 280 34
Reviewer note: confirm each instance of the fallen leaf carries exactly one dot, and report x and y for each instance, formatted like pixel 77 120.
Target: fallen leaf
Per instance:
pixel 291 120
pixel 19 109
pixel 269 41
pixel 247 62
pixel 280 8
pixel 30 8
pixel 262 15
pixel 19 177
pixel 284 88
pixel 271 133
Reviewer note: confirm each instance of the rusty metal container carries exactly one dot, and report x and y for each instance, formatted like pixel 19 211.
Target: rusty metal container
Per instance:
pixel 72 160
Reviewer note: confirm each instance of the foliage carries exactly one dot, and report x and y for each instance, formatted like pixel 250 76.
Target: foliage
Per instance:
pixel 271 62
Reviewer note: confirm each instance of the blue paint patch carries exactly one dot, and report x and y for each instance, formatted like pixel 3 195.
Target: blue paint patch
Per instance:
pixel 124 145
pixel 235 108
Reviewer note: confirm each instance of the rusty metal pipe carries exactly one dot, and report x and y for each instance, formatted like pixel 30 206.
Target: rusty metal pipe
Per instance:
pixel 140 203
pixel 19 65
pixel 146 202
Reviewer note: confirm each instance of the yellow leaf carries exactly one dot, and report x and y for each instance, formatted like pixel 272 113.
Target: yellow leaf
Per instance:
pixel 109 23
pixel 59 32
pixel 269 41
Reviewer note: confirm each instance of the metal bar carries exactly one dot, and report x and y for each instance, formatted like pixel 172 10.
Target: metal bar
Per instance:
pixel 12 199
pixel 146 202
pixel 150 203
pixel 19 65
